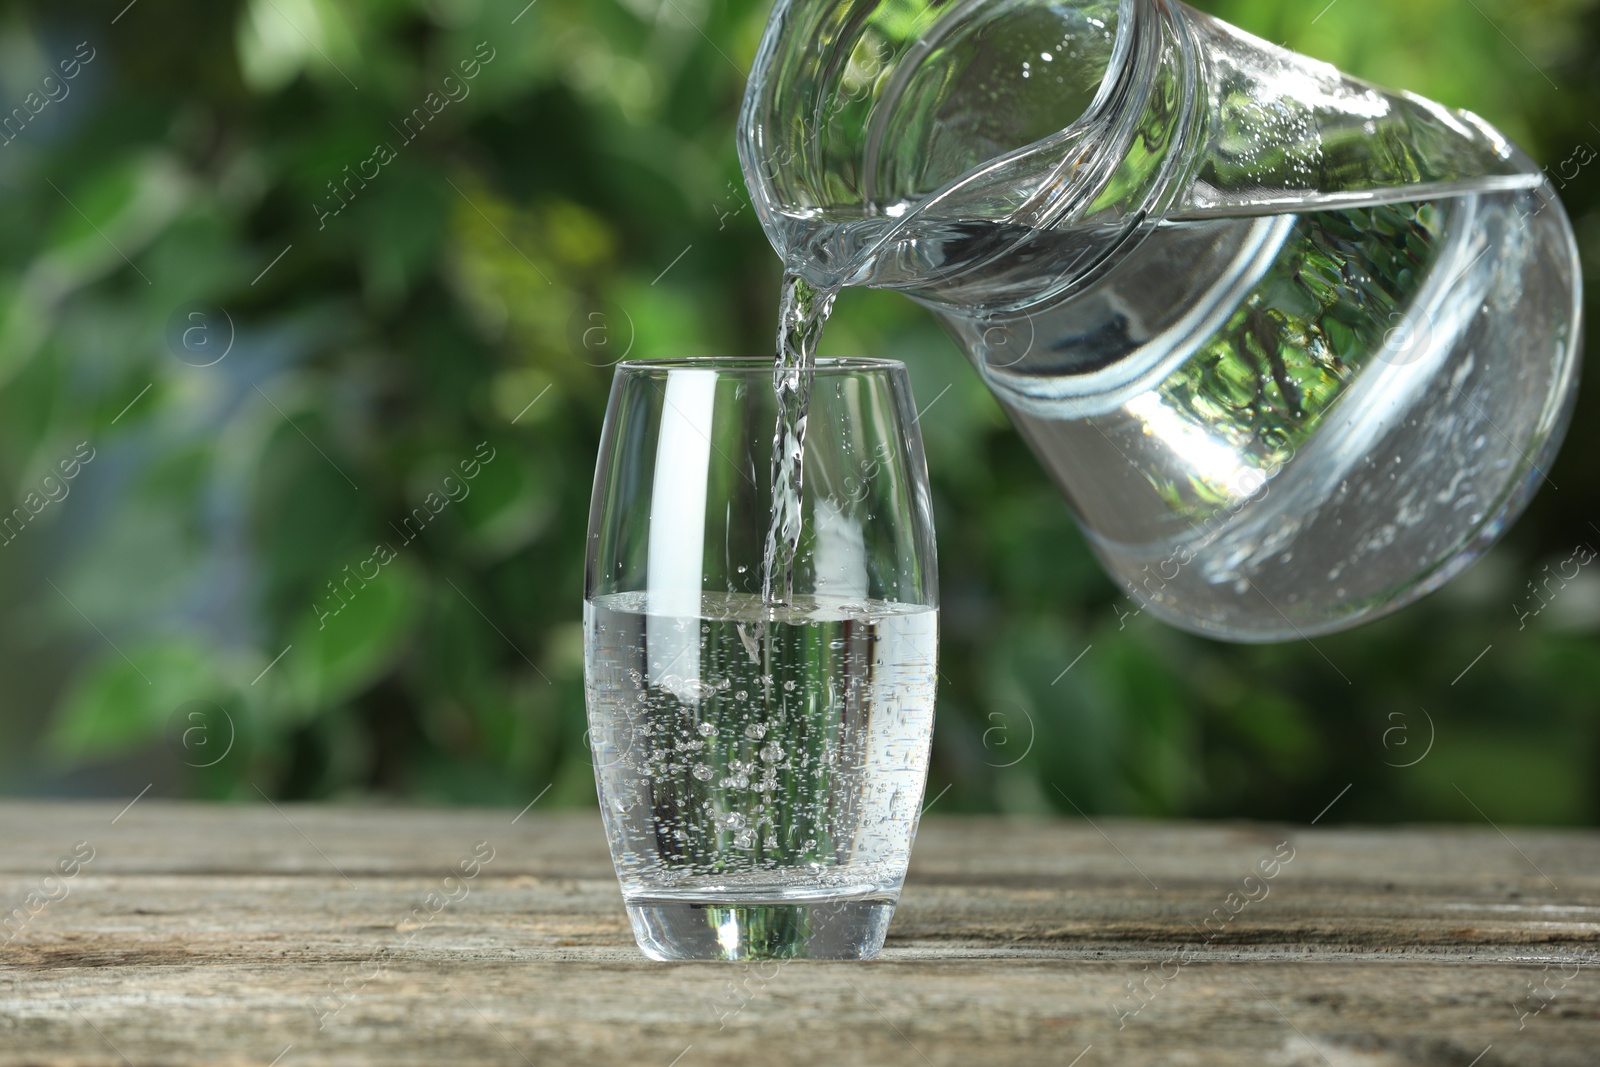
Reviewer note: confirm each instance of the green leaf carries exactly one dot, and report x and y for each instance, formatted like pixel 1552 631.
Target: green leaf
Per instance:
pixel 511 503
pixel 121 704
pixel 352 637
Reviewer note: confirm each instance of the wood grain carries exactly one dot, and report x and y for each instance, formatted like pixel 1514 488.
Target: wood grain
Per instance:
pixel 234 935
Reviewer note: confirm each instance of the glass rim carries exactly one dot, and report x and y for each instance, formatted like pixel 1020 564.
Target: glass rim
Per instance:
pixel 758 364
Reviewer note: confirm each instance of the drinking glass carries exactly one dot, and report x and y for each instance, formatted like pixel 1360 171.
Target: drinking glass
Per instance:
pixel 760 748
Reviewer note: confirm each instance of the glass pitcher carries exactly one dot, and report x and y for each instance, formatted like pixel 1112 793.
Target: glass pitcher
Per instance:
pixel 1296 349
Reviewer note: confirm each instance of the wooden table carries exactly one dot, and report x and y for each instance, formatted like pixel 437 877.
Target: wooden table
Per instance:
pixel 319 935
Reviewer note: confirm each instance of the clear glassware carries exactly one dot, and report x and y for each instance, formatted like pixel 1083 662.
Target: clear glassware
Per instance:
pixel 1296 349
pixel 760 760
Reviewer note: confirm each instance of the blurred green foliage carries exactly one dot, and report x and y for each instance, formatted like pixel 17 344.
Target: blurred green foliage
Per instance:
pixel 396 270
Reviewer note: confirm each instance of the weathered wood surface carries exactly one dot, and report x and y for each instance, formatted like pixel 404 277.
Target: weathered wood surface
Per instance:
pixel 229 935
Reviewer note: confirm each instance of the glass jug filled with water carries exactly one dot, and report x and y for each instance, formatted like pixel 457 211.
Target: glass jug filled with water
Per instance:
pixel 1296 349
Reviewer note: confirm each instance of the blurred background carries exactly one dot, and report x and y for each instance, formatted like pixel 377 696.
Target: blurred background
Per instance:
pixel 229 372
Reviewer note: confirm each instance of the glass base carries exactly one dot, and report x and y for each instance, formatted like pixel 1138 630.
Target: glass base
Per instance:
pixel 759 930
